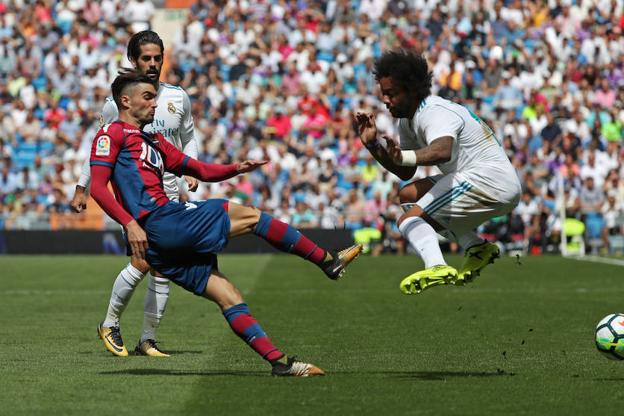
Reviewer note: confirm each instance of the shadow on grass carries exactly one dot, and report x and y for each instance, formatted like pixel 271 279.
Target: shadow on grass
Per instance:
pixel 406 375
pixel 178 373
pixel 433 375
pixel 131 352
pixel 444 375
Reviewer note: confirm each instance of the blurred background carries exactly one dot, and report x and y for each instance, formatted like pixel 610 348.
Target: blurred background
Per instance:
pixel 278 80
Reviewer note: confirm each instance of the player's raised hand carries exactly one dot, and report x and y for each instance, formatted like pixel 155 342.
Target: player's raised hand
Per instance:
pixel 393 150
pixel 250 165
pixel 137 239
pixel 79 201
pixel 191 183
pixel 365 127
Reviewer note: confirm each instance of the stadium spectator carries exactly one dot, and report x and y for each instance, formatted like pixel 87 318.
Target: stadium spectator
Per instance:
pixel 555 66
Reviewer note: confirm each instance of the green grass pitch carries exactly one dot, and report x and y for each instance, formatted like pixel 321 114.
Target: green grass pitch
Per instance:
pixel 517 341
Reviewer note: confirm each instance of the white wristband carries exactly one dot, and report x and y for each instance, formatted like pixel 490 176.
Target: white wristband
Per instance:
pixel 408 158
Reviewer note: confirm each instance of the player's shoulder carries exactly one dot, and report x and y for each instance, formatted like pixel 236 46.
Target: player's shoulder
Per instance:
pixel 170 86
pixel 114 127
pixel 117 129
pixel 433 103
pixel 172 89
pixel 434 106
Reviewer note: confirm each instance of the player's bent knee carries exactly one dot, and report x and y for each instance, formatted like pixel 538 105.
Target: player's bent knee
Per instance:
pixel 243 219
pixel 405 216
pixel 408 194
pixel 414 191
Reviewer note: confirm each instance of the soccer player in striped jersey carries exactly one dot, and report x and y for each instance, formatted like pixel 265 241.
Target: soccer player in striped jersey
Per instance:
pixel 174 121
pixel 180 241
pixel 477 182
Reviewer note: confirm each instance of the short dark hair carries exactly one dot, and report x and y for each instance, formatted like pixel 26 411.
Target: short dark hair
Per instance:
pixel 143 38
pixel 407 68
pixel 127 78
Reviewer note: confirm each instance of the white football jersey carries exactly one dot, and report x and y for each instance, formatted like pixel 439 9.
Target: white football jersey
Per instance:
pixel 476 149
pixel 173 119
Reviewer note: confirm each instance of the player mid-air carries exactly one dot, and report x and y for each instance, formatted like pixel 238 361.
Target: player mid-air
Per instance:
pixel 174 121
pixel 477 182
pixel 180 241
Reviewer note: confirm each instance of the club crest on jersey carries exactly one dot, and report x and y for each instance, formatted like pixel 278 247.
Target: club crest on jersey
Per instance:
pixel 171 107
pixel 102 147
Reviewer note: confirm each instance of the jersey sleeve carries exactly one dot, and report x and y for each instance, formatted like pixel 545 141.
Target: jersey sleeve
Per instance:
pixel 440 122
pixel 109 114
pixel 106 146
pixel 104 151
pixel 187 129
pixel 85 173
pixel 180 164
pixel 100 193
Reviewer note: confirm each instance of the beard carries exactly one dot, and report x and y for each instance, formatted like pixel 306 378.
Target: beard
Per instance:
pixel 399 111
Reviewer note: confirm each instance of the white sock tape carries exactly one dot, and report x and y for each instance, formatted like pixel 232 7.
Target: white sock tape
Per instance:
pixel 408 157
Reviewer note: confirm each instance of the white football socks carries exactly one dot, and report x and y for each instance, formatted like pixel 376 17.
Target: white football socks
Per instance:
pixel 156 297
pixel 469 239
pixel 424 239
pixel 123 288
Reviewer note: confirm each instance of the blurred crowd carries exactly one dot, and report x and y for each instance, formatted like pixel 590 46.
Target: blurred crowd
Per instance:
pixel 279 79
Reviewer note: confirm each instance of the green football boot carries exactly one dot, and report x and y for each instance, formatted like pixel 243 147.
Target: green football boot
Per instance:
pixel 424 279
pixel 476 259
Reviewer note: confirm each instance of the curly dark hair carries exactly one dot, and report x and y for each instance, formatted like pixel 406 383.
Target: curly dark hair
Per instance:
pixel 407 68
pixel 143 38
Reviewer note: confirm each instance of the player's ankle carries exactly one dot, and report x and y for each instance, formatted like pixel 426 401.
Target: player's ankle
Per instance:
pixel 280 361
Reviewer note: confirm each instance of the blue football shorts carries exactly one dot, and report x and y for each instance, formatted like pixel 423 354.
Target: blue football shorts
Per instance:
pixel 184 239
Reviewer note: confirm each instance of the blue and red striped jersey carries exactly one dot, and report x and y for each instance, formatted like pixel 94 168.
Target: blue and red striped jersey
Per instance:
pixel 138 161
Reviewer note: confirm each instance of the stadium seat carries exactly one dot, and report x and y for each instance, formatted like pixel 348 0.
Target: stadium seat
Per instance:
pixel 574 244
pixel 616 244
pixel 594 224
pixel 367 237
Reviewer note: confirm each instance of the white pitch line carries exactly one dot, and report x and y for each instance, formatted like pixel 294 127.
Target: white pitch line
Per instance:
pixel 598 259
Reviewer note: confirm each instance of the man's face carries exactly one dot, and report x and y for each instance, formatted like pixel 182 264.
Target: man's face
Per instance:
pixel 141 102
pixel 396 98
pixel 589 183
pixel 150 61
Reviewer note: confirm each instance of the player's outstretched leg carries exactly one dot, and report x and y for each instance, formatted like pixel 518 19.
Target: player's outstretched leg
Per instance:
pixel 156 297
pixel 123 287
pixel 476 258
pixel 290 240
pixel 236 312
pixel 423 238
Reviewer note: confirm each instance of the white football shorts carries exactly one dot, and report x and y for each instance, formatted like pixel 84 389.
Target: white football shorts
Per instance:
pixel 461 202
